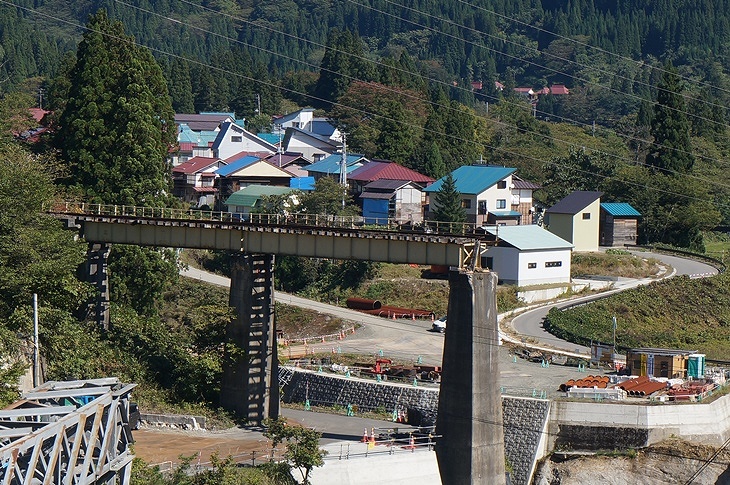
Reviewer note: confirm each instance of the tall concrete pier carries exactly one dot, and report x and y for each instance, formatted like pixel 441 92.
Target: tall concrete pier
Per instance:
pixel 250 386
pixel 470 407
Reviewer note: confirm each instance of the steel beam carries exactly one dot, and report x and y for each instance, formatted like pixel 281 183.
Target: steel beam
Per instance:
pixel 85 445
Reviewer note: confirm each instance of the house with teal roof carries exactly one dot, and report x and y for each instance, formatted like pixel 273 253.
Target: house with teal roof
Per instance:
pixel 619 224
pixel 330 166
pixel 490 195
pixel 527 255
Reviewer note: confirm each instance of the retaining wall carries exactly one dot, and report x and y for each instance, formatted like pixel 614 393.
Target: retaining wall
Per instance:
pixel 525 419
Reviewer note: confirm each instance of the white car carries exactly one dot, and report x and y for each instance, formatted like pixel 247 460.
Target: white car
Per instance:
pixel 439 325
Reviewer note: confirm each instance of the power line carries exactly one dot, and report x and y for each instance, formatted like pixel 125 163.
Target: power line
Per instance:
pixel 364 112
pixel 407 94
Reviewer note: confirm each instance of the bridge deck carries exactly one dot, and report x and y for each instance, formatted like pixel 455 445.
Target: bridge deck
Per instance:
pixel 302 235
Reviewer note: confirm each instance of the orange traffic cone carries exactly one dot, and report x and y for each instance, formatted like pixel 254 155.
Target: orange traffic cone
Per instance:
pixel 365 436
pixel 393 315
pixel 372 435
pixel 413 316
pixel 322 339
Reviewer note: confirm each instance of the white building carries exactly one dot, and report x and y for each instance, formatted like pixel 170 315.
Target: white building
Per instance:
pixel 528 255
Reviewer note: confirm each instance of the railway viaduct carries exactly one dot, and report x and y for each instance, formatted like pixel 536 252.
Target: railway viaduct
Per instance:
pixel 470 412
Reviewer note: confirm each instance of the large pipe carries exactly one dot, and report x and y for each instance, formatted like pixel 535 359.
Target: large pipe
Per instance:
pixel 363 304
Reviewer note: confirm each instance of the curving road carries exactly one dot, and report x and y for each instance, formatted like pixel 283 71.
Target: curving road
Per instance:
pixel 407 339
pixel 529 325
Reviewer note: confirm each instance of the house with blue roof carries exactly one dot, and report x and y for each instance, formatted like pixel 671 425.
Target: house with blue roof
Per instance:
pixel 330 166
pixel 527 255
pixel 619 225
pixel 490 195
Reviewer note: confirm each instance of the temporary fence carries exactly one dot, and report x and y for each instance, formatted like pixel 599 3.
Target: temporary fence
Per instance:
pixel 249 458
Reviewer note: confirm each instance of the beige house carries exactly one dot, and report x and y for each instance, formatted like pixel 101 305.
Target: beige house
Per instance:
pixel 576 219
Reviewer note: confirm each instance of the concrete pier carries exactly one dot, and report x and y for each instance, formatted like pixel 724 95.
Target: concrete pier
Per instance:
pixel 470 407
pixel 250 385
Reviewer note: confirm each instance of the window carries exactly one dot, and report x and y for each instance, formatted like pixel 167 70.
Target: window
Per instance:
pixel 502 184
pixel 501 203
pixel 531 265
pixel 466 203
pixel 236 139
pixel 482 206
pixel 553 264
pixel 487 262
pixel 586 216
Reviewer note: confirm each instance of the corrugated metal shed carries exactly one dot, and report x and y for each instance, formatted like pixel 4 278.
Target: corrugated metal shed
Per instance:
pixel 473 179
pixel 528 237
pixel 620 209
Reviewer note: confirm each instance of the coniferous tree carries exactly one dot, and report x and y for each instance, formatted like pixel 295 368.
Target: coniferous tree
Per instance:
pixel 447 202
pixel 672 150
pixel 118 124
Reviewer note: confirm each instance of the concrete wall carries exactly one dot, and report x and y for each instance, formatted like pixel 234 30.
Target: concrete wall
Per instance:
pixel 525 420
pixel 601 425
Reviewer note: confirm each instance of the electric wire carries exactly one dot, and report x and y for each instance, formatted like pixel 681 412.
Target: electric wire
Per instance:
pixel 364 112
pixel 450 86
pixel 408 94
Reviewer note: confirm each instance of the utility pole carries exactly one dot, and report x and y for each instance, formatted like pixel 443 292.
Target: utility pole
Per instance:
pixel 343 168
pixel 279 149
pixel 41 92
pixel 258 104
pixel 36 349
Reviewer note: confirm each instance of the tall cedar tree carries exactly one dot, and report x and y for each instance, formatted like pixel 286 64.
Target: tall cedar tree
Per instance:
pixel 448 202
pixel 118 122
pixel 672 149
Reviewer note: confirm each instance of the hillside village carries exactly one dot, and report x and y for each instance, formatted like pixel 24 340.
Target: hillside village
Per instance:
pixel 219 165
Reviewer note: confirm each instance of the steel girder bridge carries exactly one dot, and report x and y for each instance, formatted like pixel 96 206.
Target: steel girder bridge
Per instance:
pixel 249 386
pixel 70 433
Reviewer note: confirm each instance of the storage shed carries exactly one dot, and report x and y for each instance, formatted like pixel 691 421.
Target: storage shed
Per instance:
pixel 669 363
pixel 619 224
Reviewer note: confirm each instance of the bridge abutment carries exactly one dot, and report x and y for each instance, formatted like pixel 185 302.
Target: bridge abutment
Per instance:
pixel 470 407
pixel 250 387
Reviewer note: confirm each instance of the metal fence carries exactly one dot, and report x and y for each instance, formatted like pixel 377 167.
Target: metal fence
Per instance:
pixel 302 219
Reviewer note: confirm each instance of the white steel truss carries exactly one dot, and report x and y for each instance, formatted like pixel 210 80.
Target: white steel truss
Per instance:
pixel 70 433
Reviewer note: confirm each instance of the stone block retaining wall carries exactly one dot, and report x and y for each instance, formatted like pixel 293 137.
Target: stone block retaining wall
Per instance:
pixel 525 420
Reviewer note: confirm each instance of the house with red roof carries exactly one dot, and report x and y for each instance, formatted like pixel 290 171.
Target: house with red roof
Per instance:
pixel 194 180
pixel 381 169
pixel 559 90
pixel 387 190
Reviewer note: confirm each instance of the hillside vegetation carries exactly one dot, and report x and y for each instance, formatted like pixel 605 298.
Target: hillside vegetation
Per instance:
pixel 679 313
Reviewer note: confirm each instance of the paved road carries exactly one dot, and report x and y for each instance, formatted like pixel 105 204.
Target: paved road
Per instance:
pixel 402 338
pixel 528 325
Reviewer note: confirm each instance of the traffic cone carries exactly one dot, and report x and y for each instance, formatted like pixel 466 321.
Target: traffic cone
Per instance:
pixel 322 339
pixel 365 436
pixel 393 315
pixel 413 316
pixel 372 435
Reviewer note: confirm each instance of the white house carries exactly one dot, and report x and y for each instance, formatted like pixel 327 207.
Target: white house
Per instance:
pixel 305 120
pixel 489 195
pixel 233 139
pixel 528 255
pixel 194 180
pixel 311 145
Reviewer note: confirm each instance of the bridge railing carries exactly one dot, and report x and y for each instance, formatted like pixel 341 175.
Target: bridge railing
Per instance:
pixel 298 219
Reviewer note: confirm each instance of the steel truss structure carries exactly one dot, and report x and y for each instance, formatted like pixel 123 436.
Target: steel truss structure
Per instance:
pixel 70 433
